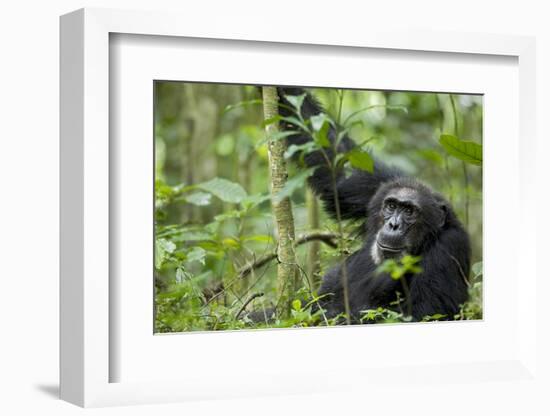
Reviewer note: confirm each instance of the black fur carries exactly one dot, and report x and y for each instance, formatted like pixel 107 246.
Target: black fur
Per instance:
pixel 442 242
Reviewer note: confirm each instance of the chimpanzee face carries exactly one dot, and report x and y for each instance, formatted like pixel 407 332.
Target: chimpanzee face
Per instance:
pixel 402 227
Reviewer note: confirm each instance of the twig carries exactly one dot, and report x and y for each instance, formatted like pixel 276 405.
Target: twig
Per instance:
pixel 325 237
pixel 250 299
pixel 464 277
pixel 344 275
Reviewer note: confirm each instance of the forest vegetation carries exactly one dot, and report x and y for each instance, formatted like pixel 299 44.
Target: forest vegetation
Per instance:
pixel 234 238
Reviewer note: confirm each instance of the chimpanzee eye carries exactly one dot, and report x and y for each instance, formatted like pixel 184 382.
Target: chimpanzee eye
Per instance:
pixel 409 211
pixel 392 206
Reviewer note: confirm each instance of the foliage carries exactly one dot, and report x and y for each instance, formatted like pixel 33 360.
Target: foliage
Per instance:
pixel 225 190
pixel 212 199
pixel 397 269
pixel 465 150
pixel 474 308
pixel 360 159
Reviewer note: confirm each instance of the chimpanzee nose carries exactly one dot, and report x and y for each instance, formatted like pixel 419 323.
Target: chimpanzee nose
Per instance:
pixel 393 224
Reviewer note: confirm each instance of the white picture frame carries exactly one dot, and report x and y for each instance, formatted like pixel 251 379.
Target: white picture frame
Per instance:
pixel 87 356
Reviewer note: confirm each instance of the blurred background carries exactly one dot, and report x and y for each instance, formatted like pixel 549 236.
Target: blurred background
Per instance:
pixel 213 134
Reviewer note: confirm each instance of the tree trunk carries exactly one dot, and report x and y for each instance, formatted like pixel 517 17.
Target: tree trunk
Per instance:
pixel 287 270
pixel 190 110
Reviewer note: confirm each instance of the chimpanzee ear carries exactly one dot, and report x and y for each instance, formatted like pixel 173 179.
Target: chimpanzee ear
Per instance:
pixel 444 210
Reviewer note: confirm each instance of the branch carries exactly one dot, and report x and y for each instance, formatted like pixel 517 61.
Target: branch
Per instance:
pixel 250 299
pixel 328 238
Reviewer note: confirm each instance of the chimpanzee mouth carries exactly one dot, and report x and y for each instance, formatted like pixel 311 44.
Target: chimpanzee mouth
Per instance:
pixel 390 249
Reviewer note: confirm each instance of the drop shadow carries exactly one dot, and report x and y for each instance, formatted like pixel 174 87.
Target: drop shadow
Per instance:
pixel 51 390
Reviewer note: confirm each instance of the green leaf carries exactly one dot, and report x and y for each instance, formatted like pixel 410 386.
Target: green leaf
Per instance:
pixel 182 233
pixel 225 145
pixel 296 101
pixel 432 156
pixel 163 248
pixel 292 184
pixel 477 269
pixel 399 268
pixel 295 121
pixel 282 134
pixel 225 190
pixel 321 137
pixel 296 304
pixel 199 198
pixel 241 104
pixel 252 201
pixel 192 236
pixel 360 159
pixel 231 243
pixel 435 317
pixel 271 120
pixel 229 215
pixel 275 136
pixel 465 150
pixel 196 254
pixel 293 148
pixel 374 106
pixel 166 245
pixel 180 275
pixel 321 127
pixel 262 238
pixel 317 121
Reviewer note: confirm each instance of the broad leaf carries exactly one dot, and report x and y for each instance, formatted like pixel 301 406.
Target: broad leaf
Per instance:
pixel 253 200
pixel 282 134
pixel 196 254
pixel 163 248
pixel 295 122
pixel 360 159
pixel 321 127
pixel 465 150
pixel 199 198
pixel 296 101
pixel 225 190
pixel 293 148
pixel 432 156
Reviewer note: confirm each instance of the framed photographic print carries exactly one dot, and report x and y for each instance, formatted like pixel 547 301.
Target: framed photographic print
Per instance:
pixel 274 201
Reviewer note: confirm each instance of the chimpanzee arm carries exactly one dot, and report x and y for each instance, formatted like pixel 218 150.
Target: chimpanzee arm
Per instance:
pixel 442 285
pixel 354 192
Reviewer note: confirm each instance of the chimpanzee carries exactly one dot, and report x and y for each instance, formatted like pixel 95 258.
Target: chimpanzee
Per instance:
pixel 399 215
